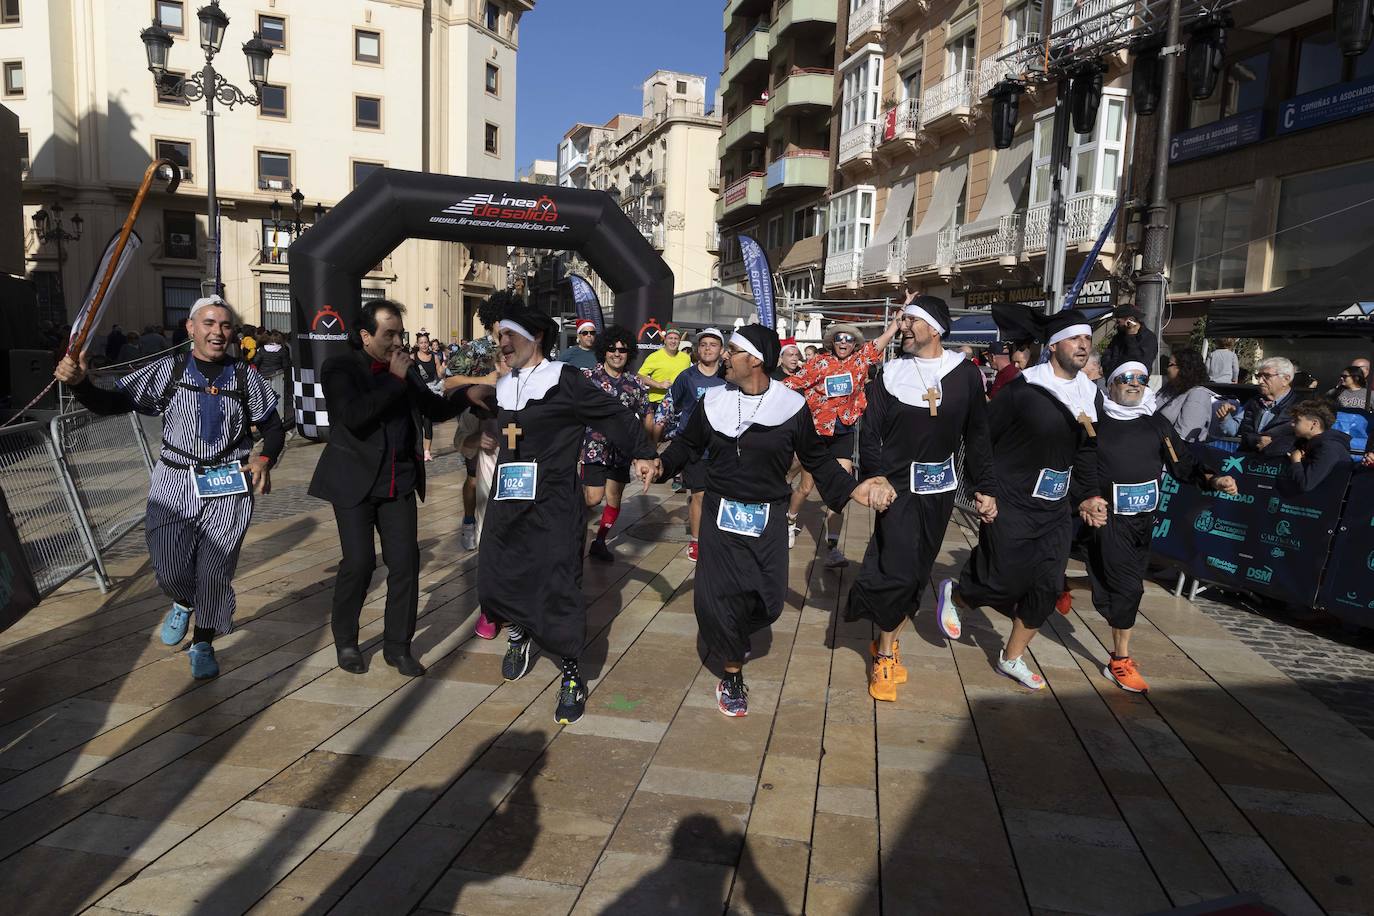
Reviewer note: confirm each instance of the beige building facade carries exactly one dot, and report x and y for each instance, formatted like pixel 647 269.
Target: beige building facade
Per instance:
pixel 660 166
pixel 353 85
pixel 921 198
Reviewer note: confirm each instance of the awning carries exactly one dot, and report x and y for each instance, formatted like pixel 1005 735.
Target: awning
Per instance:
pixel 1337 301
pixel 949 186
pixel 1010 173
pixel 971 329
pixel 808 252
pixel 894 215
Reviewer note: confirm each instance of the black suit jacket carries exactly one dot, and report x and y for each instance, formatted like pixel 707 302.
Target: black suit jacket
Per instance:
pixel 353 456
pixel 1279 428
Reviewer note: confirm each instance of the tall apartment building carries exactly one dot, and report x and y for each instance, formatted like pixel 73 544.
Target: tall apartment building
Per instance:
pixel 777 97
pixel 1270 177
pixel 921 199
pixel 353 85
pixel 659 166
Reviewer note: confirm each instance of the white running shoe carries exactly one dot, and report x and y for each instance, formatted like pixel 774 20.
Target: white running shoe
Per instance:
pixel 835 559
pixel 469 536
pixel 792 532
pixel 1019 671
pixel 948 610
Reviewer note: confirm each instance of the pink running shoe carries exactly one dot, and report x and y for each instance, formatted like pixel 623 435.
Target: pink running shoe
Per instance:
pixel 486 629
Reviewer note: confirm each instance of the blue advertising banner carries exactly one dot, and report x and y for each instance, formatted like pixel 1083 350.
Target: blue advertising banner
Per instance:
pixel 1334 103
pixel 585 302
pixel 760 279
pixel 1265 539
pixel 1217 137
pixel 1348 589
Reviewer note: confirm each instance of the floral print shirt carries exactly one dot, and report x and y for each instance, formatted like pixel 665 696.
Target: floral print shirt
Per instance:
pixel 633 393
pixel 834 387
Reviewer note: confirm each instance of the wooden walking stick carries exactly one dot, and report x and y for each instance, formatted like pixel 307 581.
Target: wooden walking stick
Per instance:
pixel 78 340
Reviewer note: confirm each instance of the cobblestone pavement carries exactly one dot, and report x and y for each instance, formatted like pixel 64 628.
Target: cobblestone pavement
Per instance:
pixel 1334 664
pixel 286 786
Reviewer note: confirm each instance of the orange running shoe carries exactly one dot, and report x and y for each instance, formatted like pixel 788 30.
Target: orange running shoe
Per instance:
pixel 1064 604
pixel 898 669
pixel 882 683
pixel 1124 672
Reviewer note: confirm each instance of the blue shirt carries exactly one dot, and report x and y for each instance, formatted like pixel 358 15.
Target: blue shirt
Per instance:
pixel 689 388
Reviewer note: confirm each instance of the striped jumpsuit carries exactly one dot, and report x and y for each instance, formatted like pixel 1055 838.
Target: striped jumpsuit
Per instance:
pixel 193 542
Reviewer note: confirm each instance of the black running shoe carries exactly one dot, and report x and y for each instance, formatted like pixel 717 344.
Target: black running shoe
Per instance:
pixel 572 701
pixel 519 657
pixel 599 551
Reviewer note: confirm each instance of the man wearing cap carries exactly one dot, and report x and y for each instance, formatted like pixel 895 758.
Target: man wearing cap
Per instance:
pixel 752 427
pixel 583 356
pixel 1133 444
pixel 373 474
pixel 201 498
pixel 1133 342
pixel 662 367
pixel 605 471
pixel 529 569
pixel 687 391
pixel 922 409
pixel 833 385
pixel 1045 462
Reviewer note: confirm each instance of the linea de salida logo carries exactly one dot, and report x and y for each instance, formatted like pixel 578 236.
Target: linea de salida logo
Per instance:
pixel 492 206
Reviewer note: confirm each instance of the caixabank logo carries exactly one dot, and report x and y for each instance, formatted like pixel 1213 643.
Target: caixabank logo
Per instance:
pixel 327 324
pixel 504 211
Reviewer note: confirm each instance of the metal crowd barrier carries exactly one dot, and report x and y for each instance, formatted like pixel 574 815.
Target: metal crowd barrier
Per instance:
pixel 75 486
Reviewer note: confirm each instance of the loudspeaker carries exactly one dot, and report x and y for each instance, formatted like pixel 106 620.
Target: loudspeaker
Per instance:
pixel 30 370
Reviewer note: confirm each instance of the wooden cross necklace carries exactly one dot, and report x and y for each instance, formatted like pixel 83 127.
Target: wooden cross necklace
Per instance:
pixel 512 429
pixel 932 395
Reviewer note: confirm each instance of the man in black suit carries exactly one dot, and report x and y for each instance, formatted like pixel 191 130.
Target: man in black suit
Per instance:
pixel 372 472
pixel 1266 423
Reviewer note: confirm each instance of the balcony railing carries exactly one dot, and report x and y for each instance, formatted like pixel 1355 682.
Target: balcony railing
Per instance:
pixel 866 19
pixel 270 255
pixel 843 269
pixel 952 95
pixel 894 266
pixel 1002 242
pixel 946 241
pixel 901 122
pixel 1011 61
pixel 713 180
pixel 713 240
pixel 1086 215
pixel 1091 21
pixel 858 142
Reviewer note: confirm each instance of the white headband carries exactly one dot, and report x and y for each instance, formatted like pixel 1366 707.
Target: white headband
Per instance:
pixel 917 312
pixel 206 302
pixel 1127 367
pixel 745 344
pixel 514 327
pixel 1072 330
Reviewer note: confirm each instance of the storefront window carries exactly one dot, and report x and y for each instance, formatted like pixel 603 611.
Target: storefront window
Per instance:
pixel 1316 225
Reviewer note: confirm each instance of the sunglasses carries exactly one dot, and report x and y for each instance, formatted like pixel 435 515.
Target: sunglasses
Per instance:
pixel 1133 378
pixel 620 349
pixel 844 338
pixel 580 333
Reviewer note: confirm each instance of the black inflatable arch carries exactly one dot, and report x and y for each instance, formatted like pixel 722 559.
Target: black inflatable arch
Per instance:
pixel 328 263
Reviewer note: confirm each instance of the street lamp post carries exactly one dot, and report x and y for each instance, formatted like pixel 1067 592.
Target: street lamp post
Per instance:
pixel 50 229
pixel 296 226
pixel 210 85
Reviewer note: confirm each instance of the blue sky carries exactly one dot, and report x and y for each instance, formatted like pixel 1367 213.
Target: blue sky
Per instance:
pixel 584 60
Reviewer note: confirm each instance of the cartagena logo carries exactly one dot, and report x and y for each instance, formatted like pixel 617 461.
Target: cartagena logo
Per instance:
pixel 1262 574
pixel 1222 565
pixel 1204 521
pixel 1283 528
pixel 327 324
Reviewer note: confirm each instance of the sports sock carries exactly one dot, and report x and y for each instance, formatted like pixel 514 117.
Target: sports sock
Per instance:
pixel 516 634
pixel 570 669
pixel 469 520
pixel 608 517
pixel 735 678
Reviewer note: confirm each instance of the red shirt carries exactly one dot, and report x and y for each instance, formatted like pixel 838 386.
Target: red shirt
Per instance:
pixel 1004 375
pixel 828 405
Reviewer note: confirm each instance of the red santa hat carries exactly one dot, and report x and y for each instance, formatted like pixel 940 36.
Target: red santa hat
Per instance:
pixel 586 323
pixel 790 342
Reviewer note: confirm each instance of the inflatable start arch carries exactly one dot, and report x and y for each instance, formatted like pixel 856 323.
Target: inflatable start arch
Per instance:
pixel 328 263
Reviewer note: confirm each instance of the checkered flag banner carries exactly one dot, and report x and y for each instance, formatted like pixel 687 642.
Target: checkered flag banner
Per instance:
pixel 311 416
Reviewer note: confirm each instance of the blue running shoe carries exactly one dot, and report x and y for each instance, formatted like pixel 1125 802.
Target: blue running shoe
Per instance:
pixel 174 624
pixel 203 664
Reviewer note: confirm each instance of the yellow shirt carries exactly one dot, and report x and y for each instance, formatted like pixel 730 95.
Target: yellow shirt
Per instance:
pixel 663 368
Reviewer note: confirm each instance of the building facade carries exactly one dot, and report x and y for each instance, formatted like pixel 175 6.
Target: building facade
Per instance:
pixel 777 97
pixel 353 85
pixel 1270 179
pixel 660 167
pixel 921 199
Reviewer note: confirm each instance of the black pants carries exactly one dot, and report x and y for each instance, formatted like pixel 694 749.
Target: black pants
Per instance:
pixel 396 521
